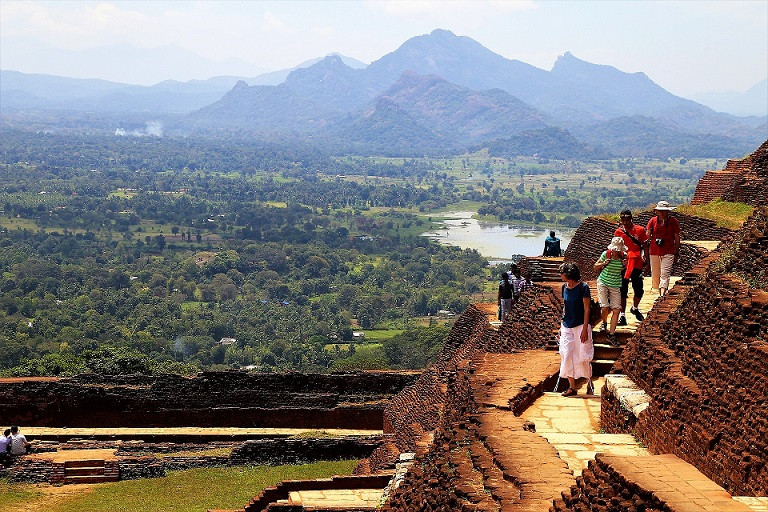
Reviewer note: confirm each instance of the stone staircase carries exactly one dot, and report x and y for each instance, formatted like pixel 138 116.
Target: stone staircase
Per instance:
pixel 543 268
pixel 605 354
pixel 90 471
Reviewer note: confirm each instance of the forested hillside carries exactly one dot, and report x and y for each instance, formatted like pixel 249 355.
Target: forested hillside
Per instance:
pixel 146 254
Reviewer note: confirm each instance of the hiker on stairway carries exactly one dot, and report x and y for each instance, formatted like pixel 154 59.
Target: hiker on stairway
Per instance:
pixel 610 264
pixel 576 349
pixel 664 233
pixel 636 241
pixel 505 296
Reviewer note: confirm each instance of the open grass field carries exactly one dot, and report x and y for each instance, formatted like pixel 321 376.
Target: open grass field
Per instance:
pixel 180 491
pixel 725 214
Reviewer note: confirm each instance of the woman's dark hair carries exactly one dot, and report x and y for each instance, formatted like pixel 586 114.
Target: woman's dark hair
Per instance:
pixel 571 271
pixel 504 276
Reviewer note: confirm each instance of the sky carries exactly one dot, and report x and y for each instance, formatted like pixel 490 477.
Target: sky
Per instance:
pixel 687 47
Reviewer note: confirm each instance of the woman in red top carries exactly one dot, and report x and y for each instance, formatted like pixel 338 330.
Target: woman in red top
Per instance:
pixel 664 234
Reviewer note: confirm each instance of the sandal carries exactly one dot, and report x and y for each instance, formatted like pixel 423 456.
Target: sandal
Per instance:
pixel 569 392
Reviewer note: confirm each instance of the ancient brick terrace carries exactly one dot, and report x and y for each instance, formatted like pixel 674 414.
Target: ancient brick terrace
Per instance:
pixel 679 423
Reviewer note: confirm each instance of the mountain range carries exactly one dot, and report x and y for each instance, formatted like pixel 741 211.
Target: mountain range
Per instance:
pixel 438 92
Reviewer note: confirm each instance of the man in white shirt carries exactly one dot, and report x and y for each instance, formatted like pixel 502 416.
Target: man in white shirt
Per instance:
pixel 19 443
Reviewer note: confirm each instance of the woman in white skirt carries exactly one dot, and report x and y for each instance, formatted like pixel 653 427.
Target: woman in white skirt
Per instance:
pixel 576 349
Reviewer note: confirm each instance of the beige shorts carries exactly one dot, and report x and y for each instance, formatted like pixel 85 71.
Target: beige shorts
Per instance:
pixel 608 297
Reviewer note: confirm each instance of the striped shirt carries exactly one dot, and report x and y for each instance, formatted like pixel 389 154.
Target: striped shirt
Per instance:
pixel 611 275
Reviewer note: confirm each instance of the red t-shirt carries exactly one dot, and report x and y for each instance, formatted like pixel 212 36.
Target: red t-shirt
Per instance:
pixel 634 254
pixel 666 232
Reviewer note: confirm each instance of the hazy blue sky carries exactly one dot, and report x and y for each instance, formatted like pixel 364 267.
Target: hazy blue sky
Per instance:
pixel 685 46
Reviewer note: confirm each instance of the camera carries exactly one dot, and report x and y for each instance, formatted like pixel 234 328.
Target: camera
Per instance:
pixel 659 242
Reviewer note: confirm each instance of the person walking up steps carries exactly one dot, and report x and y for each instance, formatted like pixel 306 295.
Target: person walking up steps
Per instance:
pixel 576 349
pixel 611 267
pixel 636 241
pixel 504 297
pixel 664 234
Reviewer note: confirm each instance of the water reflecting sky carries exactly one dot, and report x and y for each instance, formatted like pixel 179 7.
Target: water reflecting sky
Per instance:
pixel 496 241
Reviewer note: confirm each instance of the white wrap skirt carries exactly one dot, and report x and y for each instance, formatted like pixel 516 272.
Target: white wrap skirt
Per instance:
pixel 575 355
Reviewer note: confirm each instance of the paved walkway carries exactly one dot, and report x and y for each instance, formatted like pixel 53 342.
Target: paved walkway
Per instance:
pixel 572 426
pixel 352 499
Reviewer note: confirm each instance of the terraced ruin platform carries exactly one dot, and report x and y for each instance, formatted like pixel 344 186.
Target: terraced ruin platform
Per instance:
pixel 181 434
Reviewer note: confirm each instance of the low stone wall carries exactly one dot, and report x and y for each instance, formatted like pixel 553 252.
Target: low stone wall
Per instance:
pixel 32 471
pixel 348 400
pixel 302 451
pixel 141 467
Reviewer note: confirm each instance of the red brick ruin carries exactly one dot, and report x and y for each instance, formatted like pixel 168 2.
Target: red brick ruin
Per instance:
pixel 701 356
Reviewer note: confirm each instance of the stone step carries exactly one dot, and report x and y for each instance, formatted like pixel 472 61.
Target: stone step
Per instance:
pixel 84 471
pixel 601 367
pixel 605 351
pixel 89 479
pixel 92 463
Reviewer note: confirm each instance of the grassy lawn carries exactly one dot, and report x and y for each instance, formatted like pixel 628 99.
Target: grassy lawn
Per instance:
pixel 725 214
pixel 192 490
pixel 381 334
pixel 14 496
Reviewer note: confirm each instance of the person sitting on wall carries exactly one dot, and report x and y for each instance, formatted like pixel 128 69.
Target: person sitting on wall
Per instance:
pixel 5 445
pixel 19 443
pixel 664 234
pixel 636 241
pixel 611 267
pixel 576 349
pixel 505 295
pixel 552 245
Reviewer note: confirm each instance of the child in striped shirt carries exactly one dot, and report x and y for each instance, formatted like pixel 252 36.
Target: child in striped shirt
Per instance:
pixel 611 267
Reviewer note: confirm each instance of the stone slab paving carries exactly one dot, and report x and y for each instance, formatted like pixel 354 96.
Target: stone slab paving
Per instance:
pixel 756 504
pixel 68 455
pixel 356 499
pixel 680 485
pixel 572 426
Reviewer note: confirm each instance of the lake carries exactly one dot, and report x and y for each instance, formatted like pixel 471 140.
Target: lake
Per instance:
pixel 494 240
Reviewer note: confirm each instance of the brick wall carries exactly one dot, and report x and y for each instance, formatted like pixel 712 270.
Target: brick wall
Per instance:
pixel 702 356
pixel 303 451
pixel 742 180
pixel 353 400
pixel 533 322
